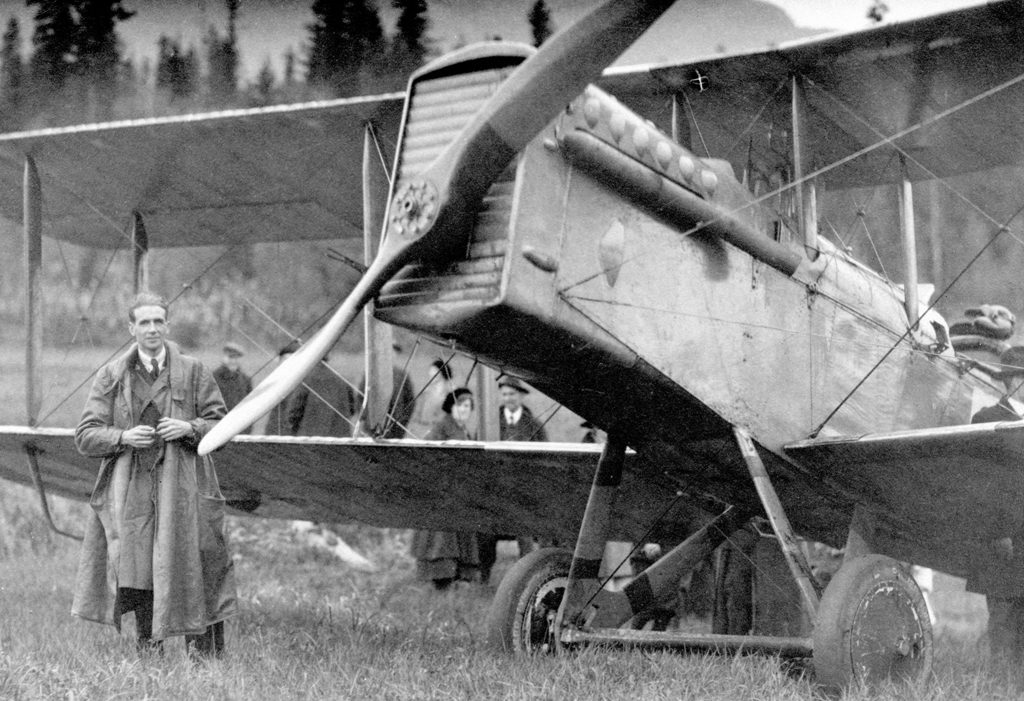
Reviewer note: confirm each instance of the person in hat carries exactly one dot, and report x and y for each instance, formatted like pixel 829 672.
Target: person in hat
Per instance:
pixel 438 382
pixel 444 557
pixel 998 567
pixel 516 421
pixel 277 419
pixel 234 384
pixel 401 403
pixel 154 540
pixel 323 405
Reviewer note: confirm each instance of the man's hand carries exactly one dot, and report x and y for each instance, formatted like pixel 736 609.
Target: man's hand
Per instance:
pixel 139 436
pixel 173 429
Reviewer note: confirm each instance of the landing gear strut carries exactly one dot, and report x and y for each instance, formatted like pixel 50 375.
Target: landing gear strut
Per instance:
pixel 522 616
pixel 870 624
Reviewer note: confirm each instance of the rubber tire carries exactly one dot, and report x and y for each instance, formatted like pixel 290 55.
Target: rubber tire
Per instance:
pixel 872 624
pixel 517 621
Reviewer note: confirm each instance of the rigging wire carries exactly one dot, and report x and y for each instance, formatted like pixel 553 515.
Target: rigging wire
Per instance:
pixel 380 151
pixel 185 287
pixel 700 134
pixel 312 391
pixel 911 326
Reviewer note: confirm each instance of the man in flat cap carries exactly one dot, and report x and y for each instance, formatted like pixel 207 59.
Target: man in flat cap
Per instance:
pixel 234 384
pixel 516 423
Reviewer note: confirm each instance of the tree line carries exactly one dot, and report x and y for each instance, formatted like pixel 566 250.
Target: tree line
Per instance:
pixel 77 69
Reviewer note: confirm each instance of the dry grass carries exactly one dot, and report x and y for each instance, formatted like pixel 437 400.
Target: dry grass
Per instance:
pixel 310 628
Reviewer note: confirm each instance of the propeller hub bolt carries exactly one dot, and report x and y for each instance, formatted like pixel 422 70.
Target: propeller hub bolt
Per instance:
pixel 414 208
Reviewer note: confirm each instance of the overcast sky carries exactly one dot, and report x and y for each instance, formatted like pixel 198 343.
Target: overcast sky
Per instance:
pixel 693 28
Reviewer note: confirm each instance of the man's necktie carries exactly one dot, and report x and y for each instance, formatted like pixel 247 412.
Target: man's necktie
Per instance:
pixel 154 371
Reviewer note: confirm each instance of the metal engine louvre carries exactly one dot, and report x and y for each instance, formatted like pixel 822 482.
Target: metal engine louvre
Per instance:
pixel 441 103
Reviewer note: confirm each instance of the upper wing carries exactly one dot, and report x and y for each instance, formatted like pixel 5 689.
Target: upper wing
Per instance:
pixel 939 493
pixel 947 88
pixel 535 489
pixel 281 173
pixel 292 172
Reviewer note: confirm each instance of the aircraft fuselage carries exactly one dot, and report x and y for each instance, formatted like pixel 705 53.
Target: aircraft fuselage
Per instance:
pixel 642 287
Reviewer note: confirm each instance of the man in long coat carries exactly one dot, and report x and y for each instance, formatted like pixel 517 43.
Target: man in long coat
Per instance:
pixel 234 384
pixel 998 565
pixel 323 405
pixel 154 542
pixel 515 423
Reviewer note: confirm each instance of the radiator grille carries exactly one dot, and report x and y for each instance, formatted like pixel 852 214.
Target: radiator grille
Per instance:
pixel 439 109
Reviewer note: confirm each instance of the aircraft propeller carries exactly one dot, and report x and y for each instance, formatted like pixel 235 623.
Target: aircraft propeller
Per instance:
pixel 429 216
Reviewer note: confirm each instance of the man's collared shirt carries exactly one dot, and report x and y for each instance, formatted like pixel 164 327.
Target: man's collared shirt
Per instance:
pixel 147 360
pixel 512 417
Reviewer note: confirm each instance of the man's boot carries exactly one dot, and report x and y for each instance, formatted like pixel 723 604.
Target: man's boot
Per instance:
pixel 209 644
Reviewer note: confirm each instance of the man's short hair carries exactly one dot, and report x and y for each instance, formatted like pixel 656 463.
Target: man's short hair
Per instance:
pixel 146 299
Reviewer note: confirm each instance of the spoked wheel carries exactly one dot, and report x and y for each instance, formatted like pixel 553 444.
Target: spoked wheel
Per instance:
pixel 522 616
pixel 872 625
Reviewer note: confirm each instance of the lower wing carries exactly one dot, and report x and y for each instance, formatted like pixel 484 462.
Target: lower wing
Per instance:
pixel 537 489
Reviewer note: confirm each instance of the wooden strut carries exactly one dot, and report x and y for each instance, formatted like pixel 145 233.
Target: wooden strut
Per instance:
pixel 590 614
pixel 780 523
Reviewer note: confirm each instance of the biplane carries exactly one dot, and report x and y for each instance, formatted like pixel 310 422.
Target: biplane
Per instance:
pixel 571 225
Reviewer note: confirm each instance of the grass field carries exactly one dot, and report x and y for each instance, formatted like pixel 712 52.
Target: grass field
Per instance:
pixel 309 627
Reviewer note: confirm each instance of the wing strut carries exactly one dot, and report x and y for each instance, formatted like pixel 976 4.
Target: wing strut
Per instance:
pixel 33 226
pixel 379 338
pixel 780 524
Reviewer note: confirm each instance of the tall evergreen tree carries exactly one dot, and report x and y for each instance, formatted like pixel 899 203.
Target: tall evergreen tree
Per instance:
pixel 264 86
pixel 97 52
pixel 344 40
pixel 222 58
pixel 75 57
pixel 540 22
pixel 289 68
pixel 409 46
pixel 53 43
pixel 96 49
pixel 177 71
pixel 412 28
pixel 12 77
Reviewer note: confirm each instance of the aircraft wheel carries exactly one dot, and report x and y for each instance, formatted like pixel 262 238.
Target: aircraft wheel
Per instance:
pixel 522 615
pixel 872 625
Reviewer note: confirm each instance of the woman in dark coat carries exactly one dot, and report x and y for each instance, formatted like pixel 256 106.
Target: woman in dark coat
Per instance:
pixel 446 556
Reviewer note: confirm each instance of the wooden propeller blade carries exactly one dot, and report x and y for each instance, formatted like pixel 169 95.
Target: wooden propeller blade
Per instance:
pixel 289 374
pixel 430 215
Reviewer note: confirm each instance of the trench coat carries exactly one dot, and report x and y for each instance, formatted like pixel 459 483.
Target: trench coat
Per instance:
pixel 193 576
pixel 322 405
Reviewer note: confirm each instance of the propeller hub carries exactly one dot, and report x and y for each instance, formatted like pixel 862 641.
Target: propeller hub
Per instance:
pixel 414 208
